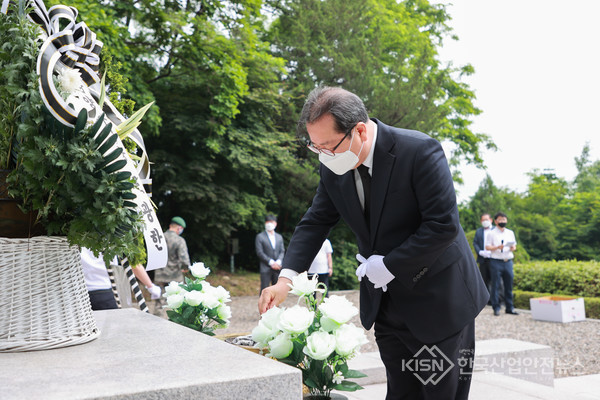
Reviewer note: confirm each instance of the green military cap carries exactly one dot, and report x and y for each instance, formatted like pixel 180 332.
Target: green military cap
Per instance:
pixel 179 221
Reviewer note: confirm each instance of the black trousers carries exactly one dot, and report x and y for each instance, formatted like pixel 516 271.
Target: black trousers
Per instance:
pixel 102 299
pixel 484 268
pixel 417 370
pixel 268 278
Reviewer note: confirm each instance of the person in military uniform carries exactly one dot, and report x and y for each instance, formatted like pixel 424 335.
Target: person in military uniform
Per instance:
pixel 178 263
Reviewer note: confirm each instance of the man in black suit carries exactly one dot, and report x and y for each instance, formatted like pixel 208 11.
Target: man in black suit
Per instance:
pixel 420 285
pixel 270 250
pixel 483 255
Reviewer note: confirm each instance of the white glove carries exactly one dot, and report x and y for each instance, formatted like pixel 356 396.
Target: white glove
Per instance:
pixel 375 270
pixel 154 292
pixel 362 268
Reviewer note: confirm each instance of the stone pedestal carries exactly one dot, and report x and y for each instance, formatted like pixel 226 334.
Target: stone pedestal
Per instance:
pixel 140 356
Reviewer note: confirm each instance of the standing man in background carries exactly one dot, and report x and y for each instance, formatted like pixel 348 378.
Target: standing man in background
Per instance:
pixel 419 283
pixel 483 255
pixel 322 265
pixel 270 250
pixel 501 242
pixel 178 262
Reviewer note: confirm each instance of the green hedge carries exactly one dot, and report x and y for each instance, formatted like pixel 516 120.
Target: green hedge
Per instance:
pixel 592 304
pixel 570 277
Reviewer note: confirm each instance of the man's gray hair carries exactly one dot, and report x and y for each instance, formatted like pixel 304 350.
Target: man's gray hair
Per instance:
pixel 346 108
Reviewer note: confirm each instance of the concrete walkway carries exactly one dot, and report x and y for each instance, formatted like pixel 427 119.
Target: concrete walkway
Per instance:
pixel 491 386
pixel 487 385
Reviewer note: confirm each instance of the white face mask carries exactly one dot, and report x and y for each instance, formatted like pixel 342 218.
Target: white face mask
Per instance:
pixel 269 226
pixel 340 163
pixel 486 223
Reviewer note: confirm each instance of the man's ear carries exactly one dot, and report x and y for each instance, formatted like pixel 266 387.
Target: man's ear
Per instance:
pixel 361 129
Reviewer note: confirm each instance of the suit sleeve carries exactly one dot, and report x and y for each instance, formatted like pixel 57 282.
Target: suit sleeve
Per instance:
pixel 281 248
pixel 259 250
pixel 476 240
pixel 311 231
pixel 436 199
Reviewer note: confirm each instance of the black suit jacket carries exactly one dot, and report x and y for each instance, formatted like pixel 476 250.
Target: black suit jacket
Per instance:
pixel 266 252
pixel 437 289
pixel 478 244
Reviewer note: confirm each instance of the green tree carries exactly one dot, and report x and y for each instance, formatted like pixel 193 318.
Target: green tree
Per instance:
pixel 386 53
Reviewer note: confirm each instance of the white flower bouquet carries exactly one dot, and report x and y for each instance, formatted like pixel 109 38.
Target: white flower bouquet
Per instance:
pixel 196 304
pixel 318 339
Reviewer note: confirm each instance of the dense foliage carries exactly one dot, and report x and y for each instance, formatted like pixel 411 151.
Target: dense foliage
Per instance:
pixel 229 77
pixel 559 277
pixel 554 219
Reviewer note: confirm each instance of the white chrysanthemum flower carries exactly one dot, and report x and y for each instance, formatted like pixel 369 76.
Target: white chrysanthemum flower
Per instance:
pixel 337 310
pixel 175 301
pixel 295 320
pixel 69 80
pixel 193 298
pixel 199 270
pixel 302 286
pixel 319 345
pixel 174 288
pixel 349 338
pixel 224 312
pixel 222 294
pixel 281 346
pixel 262 334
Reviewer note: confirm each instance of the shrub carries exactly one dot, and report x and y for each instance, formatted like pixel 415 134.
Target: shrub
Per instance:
pixel 344 266
pixel 570 277
pixel 592 304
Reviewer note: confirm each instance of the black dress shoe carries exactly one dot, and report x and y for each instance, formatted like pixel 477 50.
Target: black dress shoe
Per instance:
pixel 496 312
pixel 513 312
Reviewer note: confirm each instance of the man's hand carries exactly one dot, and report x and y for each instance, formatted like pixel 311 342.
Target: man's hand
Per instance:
pixel 154 291
pixel 273 295
pixel 276 266
pixel 375 270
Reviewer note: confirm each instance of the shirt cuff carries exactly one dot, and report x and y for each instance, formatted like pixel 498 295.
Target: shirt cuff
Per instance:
pixel 271 262
pixel 288 273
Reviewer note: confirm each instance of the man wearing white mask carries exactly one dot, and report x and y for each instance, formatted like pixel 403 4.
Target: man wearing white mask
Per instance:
pixel 419 283
pixel 483 255
pixel 270 250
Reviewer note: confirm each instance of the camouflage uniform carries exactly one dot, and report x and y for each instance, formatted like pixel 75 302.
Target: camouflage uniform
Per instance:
pixel 179 259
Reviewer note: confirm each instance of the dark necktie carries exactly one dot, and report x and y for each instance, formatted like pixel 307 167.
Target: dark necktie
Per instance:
pixel 365 178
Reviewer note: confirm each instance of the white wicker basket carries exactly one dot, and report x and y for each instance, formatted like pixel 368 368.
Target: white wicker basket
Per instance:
pixel 44 302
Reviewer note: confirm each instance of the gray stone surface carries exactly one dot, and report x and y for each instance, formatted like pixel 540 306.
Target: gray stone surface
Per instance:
pixel 140 356
pixel 371 365
pixel 516 358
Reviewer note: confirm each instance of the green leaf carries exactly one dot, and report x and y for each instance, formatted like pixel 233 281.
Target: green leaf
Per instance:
pixel 81 121
pixel 311 384
pixel 125 128
pixel 352 373
pixel 103 134
pixel 117 165
pixel 108 144
pixel 348 386
pixel 102 91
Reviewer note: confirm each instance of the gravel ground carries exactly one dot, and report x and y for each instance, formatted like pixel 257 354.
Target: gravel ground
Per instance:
pixel 576 345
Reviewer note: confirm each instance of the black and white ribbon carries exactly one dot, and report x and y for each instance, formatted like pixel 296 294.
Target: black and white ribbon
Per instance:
pixel 71 45
pixel 135 288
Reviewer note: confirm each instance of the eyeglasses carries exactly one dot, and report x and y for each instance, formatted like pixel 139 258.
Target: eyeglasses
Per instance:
pixel 327 152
